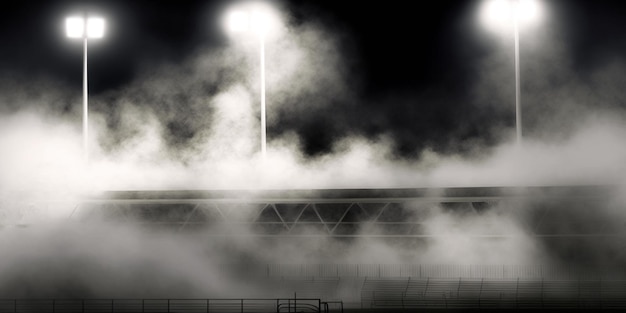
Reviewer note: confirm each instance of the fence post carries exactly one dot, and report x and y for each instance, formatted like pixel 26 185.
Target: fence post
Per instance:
pixel 364 281
pixel 578 292
pixel 373 302
pixel 406 290
pixel 480 293
pixel 517 294
pixel 542 292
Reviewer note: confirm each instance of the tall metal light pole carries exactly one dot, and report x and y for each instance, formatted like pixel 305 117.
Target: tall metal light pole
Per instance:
pixel 85 27
pixel 505 10
pixel 263 125
pixel 518 110
pixel 255 21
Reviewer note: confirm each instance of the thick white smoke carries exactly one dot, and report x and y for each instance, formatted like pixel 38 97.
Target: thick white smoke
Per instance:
pixel 195 126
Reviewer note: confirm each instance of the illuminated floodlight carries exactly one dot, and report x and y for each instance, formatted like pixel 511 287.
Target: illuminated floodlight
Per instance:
pixel 499 10
pixel 527 10
pixel 505 11
pixel 238 21
pixel 257 20
pixel 75 27
pixel 509 15
pixel 85 28
pixel 252 19
pixel 95 27
pixel 249 20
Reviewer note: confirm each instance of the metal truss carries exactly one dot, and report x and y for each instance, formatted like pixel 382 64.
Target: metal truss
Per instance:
pixel 553 211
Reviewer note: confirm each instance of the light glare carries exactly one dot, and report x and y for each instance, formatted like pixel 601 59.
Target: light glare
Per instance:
pixel 502 13
pixel 75 27
pixel 499 10
pixel 259 22
pixel 95 27
pixel 253 19
pixel 238 21
pixel 527 9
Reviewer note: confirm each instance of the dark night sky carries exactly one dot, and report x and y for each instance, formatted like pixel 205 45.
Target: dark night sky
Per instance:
pixel 412 65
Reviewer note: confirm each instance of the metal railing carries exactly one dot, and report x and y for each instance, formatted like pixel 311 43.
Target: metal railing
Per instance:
pixel 165 305
pixel 327 272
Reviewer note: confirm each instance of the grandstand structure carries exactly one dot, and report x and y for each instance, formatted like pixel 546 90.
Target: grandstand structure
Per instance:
pixel 576 216
pixel 520 293
pixel 547 210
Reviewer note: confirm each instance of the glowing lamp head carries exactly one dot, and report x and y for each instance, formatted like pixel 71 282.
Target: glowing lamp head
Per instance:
pixel 527 9
pixel 76 27
pixel 253 18
pixel 504 11
pixel 238 21
pixel 259 22
pixel 248 20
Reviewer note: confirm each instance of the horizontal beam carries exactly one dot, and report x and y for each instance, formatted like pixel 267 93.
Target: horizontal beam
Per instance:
pixel 453 194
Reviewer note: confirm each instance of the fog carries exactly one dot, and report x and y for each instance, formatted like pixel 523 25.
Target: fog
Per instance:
pixel 195 125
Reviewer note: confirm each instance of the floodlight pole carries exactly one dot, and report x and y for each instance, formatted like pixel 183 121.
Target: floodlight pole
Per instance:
pixel 518 111
pixel 237 21
pixel 263 125
pixel 85 99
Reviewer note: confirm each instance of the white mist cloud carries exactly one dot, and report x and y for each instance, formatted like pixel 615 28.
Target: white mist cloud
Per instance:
pixel 493 237
pixel 196 126
pixel 590 156
pixel 38 153
pixel 112 261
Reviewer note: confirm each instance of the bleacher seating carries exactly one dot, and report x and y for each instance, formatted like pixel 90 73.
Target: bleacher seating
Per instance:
pixel 383 292
pixel 560 294
pixel 613 294
pixel 318 288
pixel 589 292
pixel 498 293
pixel 449 293
pixel 380 293
pixel 468 293
pixel 441 292
pixel 529 294
pixel 415 291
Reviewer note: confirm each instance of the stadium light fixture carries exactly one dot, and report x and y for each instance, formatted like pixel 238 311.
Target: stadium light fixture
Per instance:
pixel 85 27
pixel 258 21
pixel 499 14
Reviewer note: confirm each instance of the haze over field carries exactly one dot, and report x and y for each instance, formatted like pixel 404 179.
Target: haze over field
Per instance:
pixel 192 122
